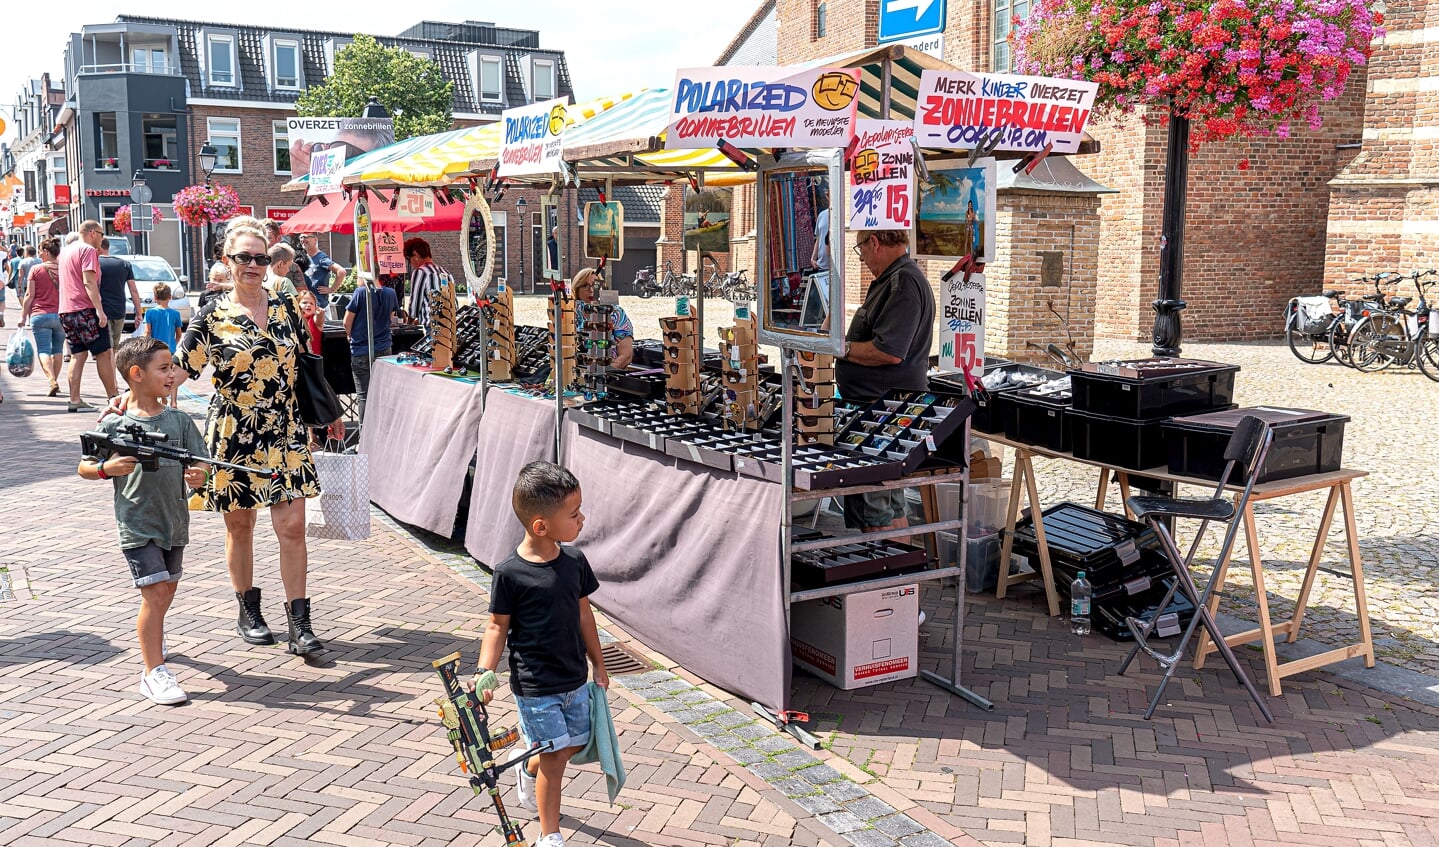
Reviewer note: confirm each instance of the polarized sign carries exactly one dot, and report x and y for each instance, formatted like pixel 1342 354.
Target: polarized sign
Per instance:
pixel 530 138
pixel 959 110
pixel 762 107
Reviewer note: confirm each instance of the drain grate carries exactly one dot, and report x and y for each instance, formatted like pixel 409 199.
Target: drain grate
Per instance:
pixel 5 591
pixel 622 661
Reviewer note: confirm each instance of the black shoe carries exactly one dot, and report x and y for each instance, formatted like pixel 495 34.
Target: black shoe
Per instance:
pixel 251 625
pixel 302 638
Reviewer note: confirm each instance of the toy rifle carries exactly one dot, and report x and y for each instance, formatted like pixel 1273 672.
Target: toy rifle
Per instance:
pixel 149 448
pixel 463 713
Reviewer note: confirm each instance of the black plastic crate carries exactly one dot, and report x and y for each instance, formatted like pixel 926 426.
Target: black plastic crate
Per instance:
pixel 1106 547
pixel 1149 389
pixel 1121 442
pixel 992 414
pixel 1109 584
pixel 906 426
pixel 1039 419
pixel 1107 618
pixel 1305 442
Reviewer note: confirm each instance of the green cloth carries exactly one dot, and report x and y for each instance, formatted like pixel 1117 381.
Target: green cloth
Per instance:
pixel 153 505
pixel 604 746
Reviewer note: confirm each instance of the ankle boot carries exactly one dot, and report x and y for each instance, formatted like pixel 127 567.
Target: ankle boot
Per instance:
pixel 302 637
pixel 251 625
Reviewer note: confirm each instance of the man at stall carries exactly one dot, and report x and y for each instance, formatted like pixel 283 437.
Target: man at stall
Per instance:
pixel 887 346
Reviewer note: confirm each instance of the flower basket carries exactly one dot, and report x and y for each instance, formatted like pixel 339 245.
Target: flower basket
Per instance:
pixel 123 224
pixel 200 205
pixel 1232 67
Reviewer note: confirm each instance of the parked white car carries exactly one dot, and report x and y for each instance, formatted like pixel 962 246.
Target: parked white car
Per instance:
pixel 148 271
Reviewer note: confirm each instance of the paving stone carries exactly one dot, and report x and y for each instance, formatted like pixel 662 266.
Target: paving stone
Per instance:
pixel 696 696
pixel 842 822
pixel 897 825
pixel 796 759
pixel 793 787
pixel 820 774
pixel 687 716
pixel 769 770
pixel 924 839
pixel 674 686
pixel 869 838
pixel 745 755
pixel 774 744
pixel 754 731
pixel 818 804
pixel 869 808
pixel 708 706
pixel 731 719
pixel 844 791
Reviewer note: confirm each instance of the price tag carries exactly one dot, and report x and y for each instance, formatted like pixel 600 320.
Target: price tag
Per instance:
pixel 415 203
pixel 929 442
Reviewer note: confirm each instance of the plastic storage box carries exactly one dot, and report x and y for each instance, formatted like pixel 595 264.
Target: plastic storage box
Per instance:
pixel 1109 548
pixel 1148 389
pixel 1039 419
pixel 1305 442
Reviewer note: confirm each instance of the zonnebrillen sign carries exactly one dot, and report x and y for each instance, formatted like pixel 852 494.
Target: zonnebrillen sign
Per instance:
pixel 962 110
pixel 762 107
pixel 530 138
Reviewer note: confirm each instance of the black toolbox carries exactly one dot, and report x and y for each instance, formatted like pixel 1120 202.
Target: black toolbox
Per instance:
pixel 1110 549
pixel 1120 442
pixel 1147 389
pixel 1107 617
pixel 1039 418
pixel 1305 442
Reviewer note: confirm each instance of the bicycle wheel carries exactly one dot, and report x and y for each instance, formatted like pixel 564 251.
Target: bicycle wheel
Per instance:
pixel 1313 349
pixel 1427 354
pixel 1339 340
pixel 1376 341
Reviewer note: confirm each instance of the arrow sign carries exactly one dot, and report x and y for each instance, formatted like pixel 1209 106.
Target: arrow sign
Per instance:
pixel 902 19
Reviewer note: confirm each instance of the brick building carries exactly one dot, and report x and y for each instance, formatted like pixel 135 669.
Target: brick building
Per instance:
pixel 143 95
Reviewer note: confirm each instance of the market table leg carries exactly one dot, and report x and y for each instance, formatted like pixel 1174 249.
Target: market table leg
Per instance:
pixel 1261 596
pixel 1124 494
pixel 1036 512
pixel 1103 490
pixel 1007 548
pixel 1356 568
pixel 1315 556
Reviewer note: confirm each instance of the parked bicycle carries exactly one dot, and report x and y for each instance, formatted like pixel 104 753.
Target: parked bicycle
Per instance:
pixel 671 284
pixel 1397 335
pixel 1316 333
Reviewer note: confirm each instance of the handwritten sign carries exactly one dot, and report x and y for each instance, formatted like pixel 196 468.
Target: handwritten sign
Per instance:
pixel 961 324
pixel 325 167
pixel 880 183
pixel 390 249
pixel 415 203
pixel 530 138
pixel 762 107
pixel 961 110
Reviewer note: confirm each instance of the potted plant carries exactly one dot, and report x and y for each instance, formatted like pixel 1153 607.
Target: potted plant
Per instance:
pixel 162 164
pixel 112 163
pixel 123 222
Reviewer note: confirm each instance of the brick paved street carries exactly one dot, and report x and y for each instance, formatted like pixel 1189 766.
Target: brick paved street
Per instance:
pixel 272 751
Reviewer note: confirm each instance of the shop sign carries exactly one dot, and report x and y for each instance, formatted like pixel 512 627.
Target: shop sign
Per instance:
pixel 309 136
pixel 280 214
pixel 880 179
pixel 107 192
pixel 530 138
pixel 961 324
pixel 762 107
pixel 325 167
pixel 962 110
pixel 391 252
pixel 62 195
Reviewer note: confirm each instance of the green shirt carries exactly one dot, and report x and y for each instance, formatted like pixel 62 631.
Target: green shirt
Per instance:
pixel 153 505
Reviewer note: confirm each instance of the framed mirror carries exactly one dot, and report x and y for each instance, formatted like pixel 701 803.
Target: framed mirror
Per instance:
pixel 554 255
pixel 800 245
pixel 365 258
pixel 477 239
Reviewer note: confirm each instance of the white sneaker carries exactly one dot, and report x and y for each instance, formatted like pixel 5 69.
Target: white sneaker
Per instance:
pixel 161 687
pixel 554 839
pixel 525 791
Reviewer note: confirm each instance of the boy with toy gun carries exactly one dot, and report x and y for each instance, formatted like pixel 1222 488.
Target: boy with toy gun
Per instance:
pixel 148 448
pixel 465 717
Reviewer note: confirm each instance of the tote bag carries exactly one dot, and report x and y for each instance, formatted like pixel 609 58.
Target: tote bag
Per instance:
pixel 343 508
pixel 20 353
pixel 319 405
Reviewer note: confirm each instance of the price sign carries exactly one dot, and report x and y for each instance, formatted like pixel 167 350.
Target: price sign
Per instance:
pixel 880 180
pixel 961 324
pixel 416 203
pixel 391 252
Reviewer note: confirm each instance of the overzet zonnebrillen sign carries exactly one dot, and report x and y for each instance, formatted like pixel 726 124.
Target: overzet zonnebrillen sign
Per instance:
pixel 959 110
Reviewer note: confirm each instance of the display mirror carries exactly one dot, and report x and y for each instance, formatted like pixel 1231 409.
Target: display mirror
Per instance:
pixel 477 237
pixel 554 246
pixel 800 249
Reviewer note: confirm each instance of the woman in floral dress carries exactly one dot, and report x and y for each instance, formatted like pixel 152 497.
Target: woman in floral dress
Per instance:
pixel 250 337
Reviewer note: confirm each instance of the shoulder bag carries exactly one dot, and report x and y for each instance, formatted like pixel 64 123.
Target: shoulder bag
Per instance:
pixel 318 404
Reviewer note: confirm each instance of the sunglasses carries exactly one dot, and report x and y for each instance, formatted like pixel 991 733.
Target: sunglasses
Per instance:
pixel 598 326
pixel 810 356
pixel 260 259
pixel 598 343
pixel 676 337
pixel 809 372
pixel 677 408
pixel 676 352
pixel 736 376
pixel 815 421
pixel 677 393
pixel 675 322
pixel 678 367
pixel 587 361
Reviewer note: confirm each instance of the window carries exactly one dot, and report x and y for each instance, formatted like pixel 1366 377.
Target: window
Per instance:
pixel 281 132
pixel 107 216
pixel 821 16
pixel 162 141
pixel 491 79
pixel 221 55
pixel 107 147
pixel 544 80
pixel 224 136
pixel 57 170
pixel 1005 13
pixel 149 60
pixel 287 64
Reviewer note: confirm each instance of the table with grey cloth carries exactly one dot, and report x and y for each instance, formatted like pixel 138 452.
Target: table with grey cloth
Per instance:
pixel 420 433
pixel 514 431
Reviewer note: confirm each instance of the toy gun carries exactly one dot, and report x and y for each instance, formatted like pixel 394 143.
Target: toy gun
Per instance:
pixel 149 448
pixel 463 713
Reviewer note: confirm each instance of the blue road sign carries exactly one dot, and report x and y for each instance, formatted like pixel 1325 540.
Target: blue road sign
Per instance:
pixel 901 19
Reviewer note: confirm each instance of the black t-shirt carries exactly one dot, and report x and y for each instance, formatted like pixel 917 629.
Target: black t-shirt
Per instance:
pixel 115 276
pixel 898 316
pixel 547 654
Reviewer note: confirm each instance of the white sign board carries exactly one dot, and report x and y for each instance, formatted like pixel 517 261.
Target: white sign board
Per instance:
pixel 530 138
pixel 325 167
pixel 415 203
pixel 762 107
pixel 959 110
pixel 961 324
pixel 932 45
pixel 880 183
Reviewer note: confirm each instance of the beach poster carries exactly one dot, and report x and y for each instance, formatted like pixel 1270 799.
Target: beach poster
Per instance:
pixel 707 214
pixel 956 212
pixel 604 230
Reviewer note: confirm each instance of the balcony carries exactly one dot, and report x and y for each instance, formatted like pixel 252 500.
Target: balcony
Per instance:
pixel 132 68
pixel 161 165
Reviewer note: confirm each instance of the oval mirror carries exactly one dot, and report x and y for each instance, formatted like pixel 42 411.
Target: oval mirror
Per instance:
pixel 477 239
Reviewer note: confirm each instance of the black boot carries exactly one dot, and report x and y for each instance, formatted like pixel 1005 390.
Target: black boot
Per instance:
pixel 302 639
pixel 252 626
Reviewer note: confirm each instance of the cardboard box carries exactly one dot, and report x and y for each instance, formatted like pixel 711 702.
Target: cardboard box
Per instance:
pixel 860 640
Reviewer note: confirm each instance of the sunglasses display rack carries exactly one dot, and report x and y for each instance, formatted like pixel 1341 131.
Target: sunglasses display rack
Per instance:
pixel 469 343
pixel 595 327
pixel 501 319
pixel 862 560
pixel 569 345
pixel 814 421
pixel 444 316
pixel 739 364
pixel 532 351
pixel 683 390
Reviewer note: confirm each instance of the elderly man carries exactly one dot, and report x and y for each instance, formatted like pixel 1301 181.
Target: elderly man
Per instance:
pixel 887 346
pixel 84 325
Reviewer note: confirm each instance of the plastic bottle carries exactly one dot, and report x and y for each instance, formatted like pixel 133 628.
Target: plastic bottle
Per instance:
pixel 1080 594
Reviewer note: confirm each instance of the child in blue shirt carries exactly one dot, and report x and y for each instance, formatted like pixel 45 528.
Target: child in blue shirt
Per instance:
pixel 163 322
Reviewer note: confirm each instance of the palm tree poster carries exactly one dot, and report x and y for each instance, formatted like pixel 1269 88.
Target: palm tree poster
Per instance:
pixel 707 219
pixel 604 230
pixel 956 212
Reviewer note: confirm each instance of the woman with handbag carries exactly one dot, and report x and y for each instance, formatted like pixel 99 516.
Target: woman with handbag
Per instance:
pixel 254 340
pixel 41 310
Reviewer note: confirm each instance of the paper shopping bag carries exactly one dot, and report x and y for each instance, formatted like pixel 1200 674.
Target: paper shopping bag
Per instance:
pixel 343 508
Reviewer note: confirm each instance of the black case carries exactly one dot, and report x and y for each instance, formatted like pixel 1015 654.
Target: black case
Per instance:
pixel 861 560
pixel 1121 442
pixel 1107 618
pixel 1148 389
pixel 906 427
pixel 1084 539
pixel 1305 442
pixel 1039 419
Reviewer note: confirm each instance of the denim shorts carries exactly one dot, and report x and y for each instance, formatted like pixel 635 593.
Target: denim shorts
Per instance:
pixel 559 720
pixel 49 337
pixel 153 564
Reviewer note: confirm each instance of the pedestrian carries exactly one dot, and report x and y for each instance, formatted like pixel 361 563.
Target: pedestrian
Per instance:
pixel 30 261
pixel 426 277
pixel 12 277
pixel 323 274
pixel 116 276
pixel 282 261
pixel 150 505
pixel 84 324
pixel 294 272
pixel 41 310
pixel 367 318
pixel 164 323
pixel 539 607
pixel 314 322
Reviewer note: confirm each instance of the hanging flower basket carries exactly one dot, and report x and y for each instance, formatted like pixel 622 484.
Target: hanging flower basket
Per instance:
pixel 199 205
pixel 1233 67
pixel 122 219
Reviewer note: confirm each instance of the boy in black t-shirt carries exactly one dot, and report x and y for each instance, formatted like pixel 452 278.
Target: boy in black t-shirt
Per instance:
pixel 539 605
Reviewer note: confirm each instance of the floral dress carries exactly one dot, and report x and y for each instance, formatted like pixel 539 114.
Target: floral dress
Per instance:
pixel 253 417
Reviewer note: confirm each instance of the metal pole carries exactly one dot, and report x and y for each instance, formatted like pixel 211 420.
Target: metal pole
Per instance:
pixel 559 359
pixel 699 310
pixel 1168 331
pixel 788 364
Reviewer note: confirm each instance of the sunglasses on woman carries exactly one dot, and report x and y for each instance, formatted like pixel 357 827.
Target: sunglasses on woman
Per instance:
pixel 260 259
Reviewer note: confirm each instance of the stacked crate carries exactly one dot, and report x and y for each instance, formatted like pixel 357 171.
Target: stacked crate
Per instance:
pixel 564 364
pixel 814 399
pixel 680 335
pixel 739 354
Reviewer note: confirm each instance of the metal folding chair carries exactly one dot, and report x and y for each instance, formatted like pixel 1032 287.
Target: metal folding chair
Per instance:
pixel 1246 449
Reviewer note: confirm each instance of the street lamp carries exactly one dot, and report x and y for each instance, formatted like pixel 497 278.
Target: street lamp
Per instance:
pixel 140 196
pixel 525 235
pixel 209 160
pixel 375 109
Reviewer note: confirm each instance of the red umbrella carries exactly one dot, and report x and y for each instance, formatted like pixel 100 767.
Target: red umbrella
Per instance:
pixel 337 215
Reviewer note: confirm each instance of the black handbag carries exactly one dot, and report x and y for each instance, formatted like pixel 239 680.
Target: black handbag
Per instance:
pixel 318 404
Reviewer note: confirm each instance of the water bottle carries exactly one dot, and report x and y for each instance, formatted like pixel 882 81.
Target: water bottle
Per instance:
pixel 1080 592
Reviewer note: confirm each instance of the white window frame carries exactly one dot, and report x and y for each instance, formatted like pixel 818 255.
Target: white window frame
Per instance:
pixel 500 222
pixel 499 63
pixel 535 66
pixel 148 54
pixel 1006 7
pixel 286 44
pixel 279 129
pixel 211 41
pixel 211 133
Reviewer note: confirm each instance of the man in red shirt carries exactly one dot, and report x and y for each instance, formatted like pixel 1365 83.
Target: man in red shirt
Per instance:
pixel 80 317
